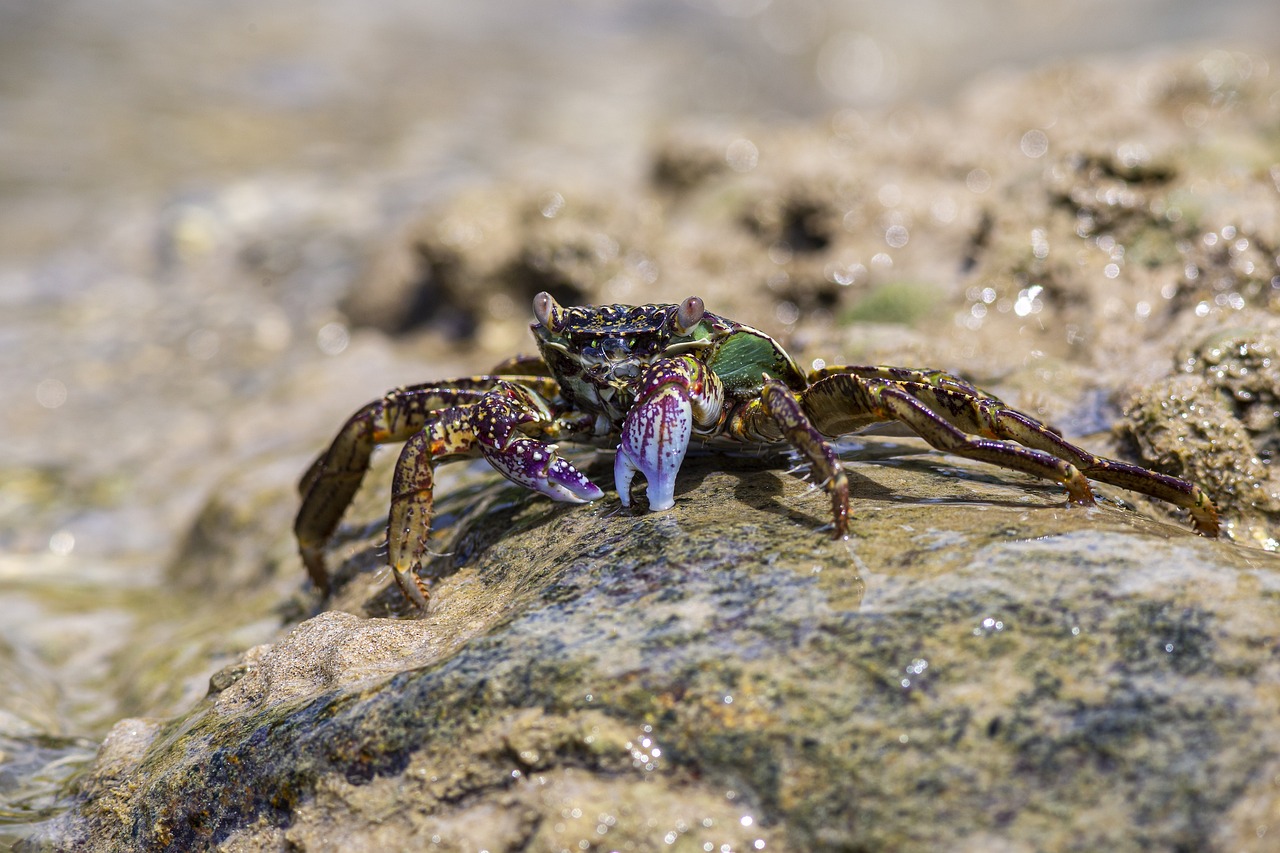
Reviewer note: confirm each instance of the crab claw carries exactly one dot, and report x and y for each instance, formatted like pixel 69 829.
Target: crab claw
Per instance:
pixel 537 466
pixel 655 436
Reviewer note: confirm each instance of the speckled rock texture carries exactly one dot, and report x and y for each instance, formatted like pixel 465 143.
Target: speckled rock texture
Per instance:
pixel 976 663
pixel 977 667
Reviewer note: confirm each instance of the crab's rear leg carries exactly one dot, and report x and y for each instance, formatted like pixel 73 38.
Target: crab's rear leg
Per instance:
pixel 974 410
pixel 333 479
pixel 947 411
pixel 837 403
pixel 994 418
pixel 675 395
pixel 492 428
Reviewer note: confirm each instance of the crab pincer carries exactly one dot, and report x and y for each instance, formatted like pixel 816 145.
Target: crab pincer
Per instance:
pixel 536 465
pixel 655 437
pixel 496 423
pixel 676 394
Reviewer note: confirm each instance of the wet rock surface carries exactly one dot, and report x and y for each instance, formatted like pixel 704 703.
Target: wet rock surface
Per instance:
pixel 976 662
pixel 977 666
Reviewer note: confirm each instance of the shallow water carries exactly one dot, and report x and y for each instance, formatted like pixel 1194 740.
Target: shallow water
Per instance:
pixel 186 192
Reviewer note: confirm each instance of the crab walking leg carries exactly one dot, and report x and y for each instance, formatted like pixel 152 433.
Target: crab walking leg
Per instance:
pixel 1175 490
pixel 995 419
pixel 490 429
pixel 780 404
pixel 836 401
pixel 975 411
pixel 525 365
pixel 676 394
pixel 333 479
pixel 413 496
pixel 938 378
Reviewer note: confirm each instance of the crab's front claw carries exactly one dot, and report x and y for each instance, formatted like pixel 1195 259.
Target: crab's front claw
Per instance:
pixel 537 466
pixel 655 436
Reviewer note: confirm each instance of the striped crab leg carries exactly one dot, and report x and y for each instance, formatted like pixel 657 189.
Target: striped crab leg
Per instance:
pixel 491 428
pixel 955 417
pixel 779 415
pixel 436 420
pixel 333 479
pixel 844 402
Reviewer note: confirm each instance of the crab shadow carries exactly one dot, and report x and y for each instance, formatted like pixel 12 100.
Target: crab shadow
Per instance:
pixel 473 521
pixel 760 481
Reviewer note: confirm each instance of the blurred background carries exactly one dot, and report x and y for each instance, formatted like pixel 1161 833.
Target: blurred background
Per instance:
pixel 188 190
pixel 135 100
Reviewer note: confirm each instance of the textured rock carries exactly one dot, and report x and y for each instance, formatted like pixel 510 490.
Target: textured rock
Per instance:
pixel 1222 406
pixel 976 662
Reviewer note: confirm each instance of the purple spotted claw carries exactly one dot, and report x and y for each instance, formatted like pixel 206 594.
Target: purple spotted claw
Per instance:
pixel 537 466
pixel 676 395
pixel 655 436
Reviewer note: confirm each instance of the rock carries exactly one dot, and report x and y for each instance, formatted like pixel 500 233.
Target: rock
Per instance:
pixel 1222 406
pixel 977 662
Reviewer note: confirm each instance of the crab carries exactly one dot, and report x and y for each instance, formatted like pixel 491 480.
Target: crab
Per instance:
pixel 649 381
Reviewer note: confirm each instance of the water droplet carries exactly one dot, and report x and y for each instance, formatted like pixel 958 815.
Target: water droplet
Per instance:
pixel 62 543
pixel 1034 143
pixel 51 393
pixel 333 338
pixel 742 155
pixel 787 313
pixel 551 204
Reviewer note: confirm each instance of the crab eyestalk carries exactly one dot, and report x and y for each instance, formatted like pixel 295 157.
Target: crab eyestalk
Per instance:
pixel 548 312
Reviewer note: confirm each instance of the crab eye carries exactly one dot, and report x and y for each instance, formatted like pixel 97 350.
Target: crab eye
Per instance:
pixel 688 314
pixel 548 312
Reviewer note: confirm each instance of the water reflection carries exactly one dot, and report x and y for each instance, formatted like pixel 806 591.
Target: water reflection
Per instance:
pixel 34 770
